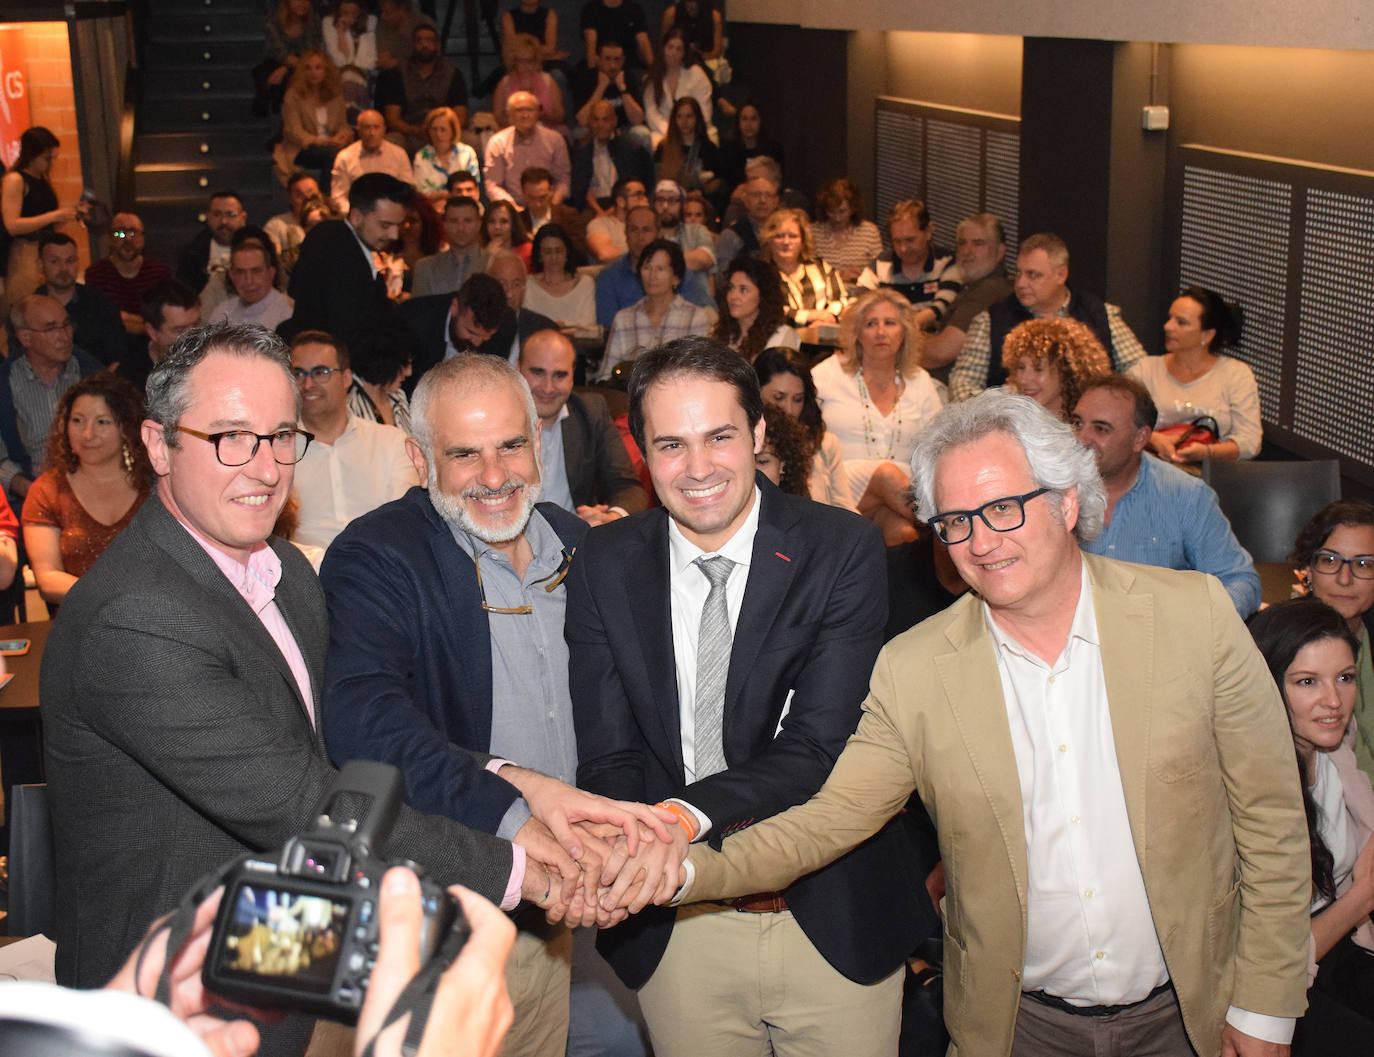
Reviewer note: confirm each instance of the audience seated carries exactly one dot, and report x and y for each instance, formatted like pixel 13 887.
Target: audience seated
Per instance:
pixel 465 184
pixel 525 73
pixel 532 18
pixel 685 155
pixel 503 228
pixel 1194 379
pixel 253 275
pixel 617 284
pixel 1334 553
pixel 743 143
pixel 619 20
pixel 785 458
pixel 287 230
pixel 585 467
pixel 371 152
pixel 204 262
pixel 770 170
pixel 517 322
pixel 697 209
pixel 1311 652
pixel 1156 513
pixel 1051 361
pixel 31 383
pixel 525 144
pixel 607 157
pixel 397 21
pixel 661 315
pixel 980 248
pixel 353 464
pixel 785 382
pixel 335 281
pixel 407 92
pixel 760 198
pixel 877 399
pixel 923 273
pixel 350 39
pixel 127 273
pixel 843 236
pixel 291 31
pixel 422 233
pixel 380 359
pixel 701 22
pixel 555 289
pixel 445 271
pixel 606 231
pixel 98 328
pixel 606 82
pixel 97 477
pixel 1041 290
pixel 815 292
pixel 675 75
pixel 446 326
pixel 169 309
pixel 698 246
pixel 753 309
pixel 536 184
pixel 314 118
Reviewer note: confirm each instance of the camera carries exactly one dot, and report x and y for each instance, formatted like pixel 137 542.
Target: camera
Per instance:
pixel 299 932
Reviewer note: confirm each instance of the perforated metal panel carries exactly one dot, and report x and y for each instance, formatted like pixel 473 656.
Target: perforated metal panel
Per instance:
pixel 954 175
pixel 1235 241
pixel 1334 395
pixel 1002 194
pixel 900 139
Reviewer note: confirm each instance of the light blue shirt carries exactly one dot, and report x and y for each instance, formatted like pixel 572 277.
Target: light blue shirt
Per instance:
pixel 1171 519
pixel 553 467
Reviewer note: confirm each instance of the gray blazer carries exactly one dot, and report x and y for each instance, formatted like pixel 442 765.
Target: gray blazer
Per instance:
pixel 176 739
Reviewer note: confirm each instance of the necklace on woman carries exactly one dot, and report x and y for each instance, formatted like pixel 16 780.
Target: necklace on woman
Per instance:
pixel 871 439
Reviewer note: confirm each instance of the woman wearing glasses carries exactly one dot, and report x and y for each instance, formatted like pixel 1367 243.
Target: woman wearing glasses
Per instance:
pixel 98 477
pixel 1335 555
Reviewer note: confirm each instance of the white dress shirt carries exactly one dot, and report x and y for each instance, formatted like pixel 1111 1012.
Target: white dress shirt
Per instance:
pixel 365 467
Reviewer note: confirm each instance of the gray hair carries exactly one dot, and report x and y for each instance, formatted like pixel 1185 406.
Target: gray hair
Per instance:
pixel 19 311
pixel 1057 461
pixel 169 383
pixel 466 372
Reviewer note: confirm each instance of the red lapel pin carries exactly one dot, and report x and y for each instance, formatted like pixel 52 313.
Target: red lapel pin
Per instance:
pixel 782 556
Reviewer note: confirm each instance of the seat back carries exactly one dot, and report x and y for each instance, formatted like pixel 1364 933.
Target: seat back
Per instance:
pixel 1268 502
pixel 32 871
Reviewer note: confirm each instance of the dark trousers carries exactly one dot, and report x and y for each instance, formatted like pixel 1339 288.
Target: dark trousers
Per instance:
pixel 1153 1028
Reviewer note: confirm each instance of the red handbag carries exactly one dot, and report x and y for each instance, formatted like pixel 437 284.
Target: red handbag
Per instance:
pixel 1202 430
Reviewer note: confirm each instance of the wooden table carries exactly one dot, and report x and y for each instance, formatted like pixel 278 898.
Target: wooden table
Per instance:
pixel 21 733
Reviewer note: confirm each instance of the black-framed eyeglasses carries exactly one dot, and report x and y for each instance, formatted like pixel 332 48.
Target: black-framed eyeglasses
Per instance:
pixel 1001 515
pixel 315 374
pixel 549 583
pixel 1329 563
pixel 237 447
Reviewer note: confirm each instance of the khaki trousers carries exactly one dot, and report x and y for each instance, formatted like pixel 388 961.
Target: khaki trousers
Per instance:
pixel 538 977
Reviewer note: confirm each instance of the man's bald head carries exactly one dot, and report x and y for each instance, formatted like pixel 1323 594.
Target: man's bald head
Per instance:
pixel 547 360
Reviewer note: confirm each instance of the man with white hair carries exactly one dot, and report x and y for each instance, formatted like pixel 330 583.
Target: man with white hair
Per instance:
pixel 1118 812
pixel 525 144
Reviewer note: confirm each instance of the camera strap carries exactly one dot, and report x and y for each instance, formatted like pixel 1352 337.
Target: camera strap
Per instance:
pixel 418 995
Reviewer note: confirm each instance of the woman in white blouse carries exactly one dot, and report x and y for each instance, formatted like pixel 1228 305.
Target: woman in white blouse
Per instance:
pixel 1193 379
pixel 670 79
pixel 444 155
pixel 877 399
pixel 350 38
pixel 556 289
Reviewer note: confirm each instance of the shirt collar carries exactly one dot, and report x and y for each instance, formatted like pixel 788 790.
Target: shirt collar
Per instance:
pixel 739 548
pixel 543 540
pixel 563 413
pixel 1084 626
pixel 367 253
pixel 255 582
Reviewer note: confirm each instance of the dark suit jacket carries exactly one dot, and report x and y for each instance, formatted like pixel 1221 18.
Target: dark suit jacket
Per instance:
pixel 425 320
pixel 408 677
pixel 332 285
pixel 598 465
pixel 176 739
pixel 193 264
pixel 812 622
pixel 513 323
pixel 632 162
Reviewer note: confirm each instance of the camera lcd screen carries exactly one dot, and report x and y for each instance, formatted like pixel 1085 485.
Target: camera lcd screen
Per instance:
pixel 290 938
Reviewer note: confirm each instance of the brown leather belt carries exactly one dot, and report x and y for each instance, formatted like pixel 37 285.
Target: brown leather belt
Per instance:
pixel 759 903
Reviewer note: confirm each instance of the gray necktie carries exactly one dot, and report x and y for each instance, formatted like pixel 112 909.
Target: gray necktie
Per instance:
pixel 714 642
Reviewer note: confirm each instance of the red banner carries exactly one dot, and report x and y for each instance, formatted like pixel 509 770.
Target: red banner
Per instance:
pixel 14 93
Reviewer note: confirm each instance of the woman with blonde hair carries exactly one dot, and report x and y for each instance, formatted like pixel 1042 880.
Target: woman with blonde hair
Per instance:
pixel 314 119
pixel 526 74
pixel 1050 360
pixel 815 291
pixel 877 398
pixel 443 156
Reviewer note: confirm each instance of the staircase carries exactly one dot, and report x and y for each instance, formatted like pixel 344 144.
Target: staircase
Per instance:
pixel 195 130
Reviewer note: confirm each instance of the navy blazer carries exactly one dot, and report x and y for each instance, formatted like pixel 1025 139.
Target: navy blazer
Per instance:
pixel 595 458
pixel 631 161
pixel 407 677
pixel 811 623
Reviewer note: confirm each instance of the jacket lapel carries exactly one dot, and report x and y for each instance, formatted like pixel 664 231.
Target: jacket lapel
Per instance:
pixel 770 578
pixel 648 584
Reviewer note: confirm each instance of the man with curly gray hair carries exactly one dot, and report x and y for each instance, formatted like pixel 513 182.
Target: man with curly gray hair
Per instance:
pixel 1103 758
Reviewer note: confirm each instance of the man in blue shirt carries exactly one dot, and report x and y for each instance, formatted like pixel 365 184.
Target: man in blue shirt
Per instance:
pixel 1156 513
pixel 618 286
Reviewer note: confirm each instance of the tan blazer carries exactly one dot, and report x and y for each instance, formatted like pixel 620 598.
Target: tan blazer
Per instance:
pixel 1211 790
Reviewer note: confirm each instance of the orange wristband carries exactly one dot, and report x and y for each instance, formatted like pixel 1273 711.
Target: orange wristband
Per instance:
pixel 685 817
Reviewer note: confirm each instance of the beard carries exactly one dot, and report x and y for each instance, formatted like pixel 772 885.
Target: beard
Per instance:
pixel 456 514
